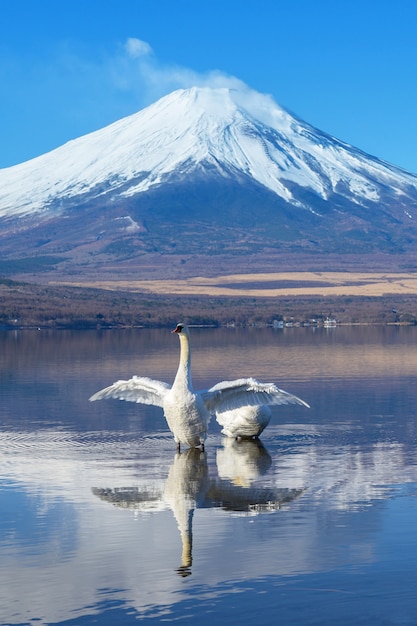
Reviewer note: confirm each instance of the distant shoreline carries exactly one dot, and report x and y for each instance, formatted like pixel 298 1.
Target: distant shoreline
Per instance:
pixel 238 300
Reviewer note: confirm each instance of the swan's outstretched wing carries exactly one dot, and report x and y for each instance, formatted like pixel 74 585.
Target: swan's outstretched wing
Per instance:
pixel 137 389
pixel 229 395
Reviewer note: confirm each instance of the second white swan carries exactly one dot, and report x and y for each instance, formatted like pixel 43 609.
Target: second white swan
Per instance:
pixel 247 422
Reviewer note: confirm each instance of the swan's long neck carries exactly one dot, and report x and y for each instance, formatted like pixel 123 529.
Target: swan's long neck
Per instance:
pixel 184 368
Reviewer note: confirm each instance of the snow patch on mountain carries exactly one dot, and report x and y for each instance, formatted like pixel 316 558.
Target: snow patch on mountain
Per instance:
pixel 128 224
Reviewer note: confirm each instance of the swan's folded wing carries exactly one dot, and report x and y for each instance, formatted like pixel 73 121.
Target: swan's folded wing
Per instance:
pixel 229 395
pixel 137 389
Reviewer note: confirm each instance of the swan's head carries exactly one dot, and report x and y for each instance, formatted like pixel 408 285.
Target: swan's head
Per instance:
pixel 181 329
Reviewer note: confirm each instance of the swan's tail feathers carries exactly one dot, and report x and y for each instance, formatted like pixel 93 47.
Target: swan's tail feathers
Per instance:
pixel 137 389
pixel 229 395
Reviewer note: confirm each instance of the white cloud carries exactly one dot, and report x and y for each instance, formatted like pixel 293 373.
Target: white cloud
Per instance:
pixel 156 80
pixel 139 71
pixel 137 48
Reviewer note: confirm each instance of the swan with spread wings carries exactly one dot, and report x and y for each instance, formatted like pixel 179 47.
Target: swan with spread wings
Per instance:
pixel 187 411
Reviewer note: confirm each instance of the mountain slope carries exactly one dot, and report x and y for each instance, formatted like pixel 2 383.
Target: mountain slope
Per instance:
pixel 207 170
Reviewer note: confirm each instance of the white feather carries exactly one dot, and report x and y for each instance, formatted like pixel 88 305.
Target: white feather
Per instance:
pixel 137 389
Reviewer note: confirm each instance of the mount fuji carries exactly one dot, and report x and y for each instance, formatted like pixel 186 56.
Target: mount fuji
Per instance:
pixel 206 171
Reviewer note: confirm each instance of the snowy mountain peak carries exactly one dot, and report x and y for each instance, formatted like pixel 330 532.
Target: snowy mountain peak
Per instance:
pixel 232 131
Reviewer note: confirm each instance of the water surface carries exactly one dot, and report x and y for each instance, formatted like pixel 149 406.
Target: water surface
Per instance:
pixel 103 523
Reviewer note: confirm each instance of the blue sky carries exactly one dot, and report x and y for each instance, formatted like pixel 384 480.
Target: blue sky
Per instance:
pixel 69 67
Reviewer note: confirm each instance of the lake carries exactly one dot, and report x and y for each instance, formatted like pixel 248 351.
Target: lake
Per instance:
pixel 102 522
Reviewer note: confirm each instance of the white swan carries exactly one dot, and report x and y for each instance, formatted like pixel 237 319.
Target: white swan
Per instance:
pixel 187 411
pixel 246 422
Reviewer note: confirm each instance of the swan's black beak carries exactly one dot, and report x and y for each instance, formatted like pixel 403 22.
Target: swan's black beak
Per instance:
pixel 178 328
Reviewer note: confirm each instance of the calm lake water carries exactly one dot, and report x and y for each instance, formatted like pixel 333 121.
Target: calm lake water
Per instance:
pixel 101 522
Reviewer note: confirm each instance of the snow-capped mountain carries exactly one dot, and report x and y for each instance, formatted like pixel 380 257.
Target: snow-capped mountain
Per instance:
pixel 226 165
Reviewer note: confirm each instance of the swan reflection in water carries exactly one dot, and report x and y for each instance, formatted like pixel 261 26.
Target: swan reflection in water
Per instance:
pixel 189 487
pixel 242 462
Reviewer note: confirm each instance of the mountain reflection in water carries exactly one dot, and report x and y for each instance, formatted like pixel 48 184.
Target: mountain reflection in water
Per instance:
pixel 189 487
